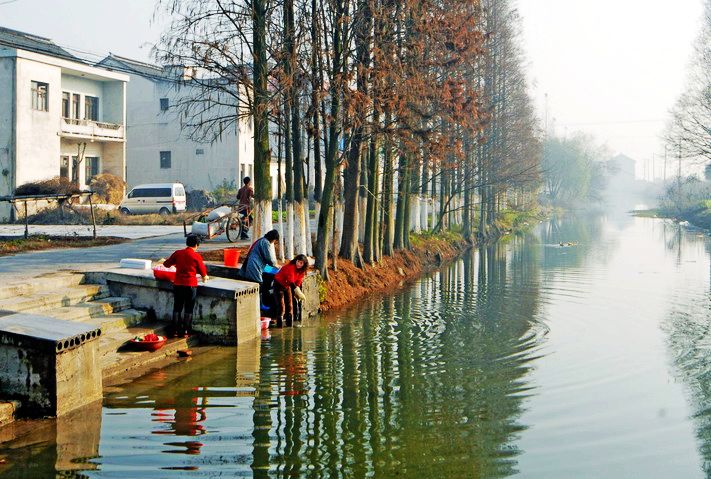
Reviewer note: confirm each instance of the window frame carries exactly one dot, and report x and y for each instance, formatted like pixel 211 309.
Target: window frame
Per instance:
pixel 39 92
pixel 91 168
pixel 164 104
pixel 168 159
pixel 92 101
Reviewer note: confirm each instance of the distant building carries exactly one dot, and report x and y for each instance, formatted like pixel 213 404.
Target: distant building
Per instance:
pixel 622 168
pixel 59 116
pixel 159 149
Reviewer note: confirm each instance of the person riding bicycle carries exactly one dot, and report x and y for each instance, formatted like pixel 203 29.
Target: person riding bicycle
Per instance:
pixel 244 199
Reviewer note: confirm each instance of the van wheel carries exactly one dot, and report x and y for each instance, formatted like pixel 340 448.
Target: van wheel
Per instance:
pixel 164 211
pixel 124 211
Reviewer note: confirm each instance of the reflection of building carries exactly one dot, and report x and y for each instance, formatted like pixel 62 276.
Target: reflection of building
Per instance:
pixel 58 115
pixel 158 148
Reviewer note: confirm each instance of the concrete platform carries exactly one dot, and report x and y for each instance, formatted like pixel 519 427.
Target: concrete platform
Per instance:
pixel 50 365
pixel 226 310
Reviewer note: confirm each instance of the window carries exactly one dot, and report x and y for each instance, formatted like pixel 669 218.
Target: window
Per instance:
pixel 165 162
pixel 75 169
pixel 76 101
pixel 164 104
pixel 150 193
pixel 64 167
pixel 40 96
pixel 91 108
pixel 199 151
pixel 91 168
pixel 65 104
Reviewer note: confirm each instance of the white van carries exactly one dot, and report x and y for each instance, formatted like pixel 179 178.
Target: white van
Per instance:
pixel 163 198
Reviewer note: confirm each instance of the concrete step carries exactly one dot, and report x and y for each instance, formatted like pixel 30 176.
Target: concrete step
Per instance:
pixel 47 282
pixel 57 298
pixel 122 359
pixel 117 322
pixel 88 310
pixel 118 340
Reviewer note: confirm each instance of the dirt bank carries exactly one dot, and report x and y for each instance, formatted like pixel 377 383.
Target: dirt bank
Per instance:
pixel 349 284
pixel 13 244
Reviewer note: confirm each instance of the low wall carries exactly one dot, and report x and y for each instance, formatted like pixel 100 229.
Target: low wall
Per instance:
pixel 310 287
pixel 226 311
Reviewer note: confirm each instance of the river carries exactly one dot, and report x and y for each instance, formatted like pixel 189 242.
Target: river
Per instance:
pixel 523 359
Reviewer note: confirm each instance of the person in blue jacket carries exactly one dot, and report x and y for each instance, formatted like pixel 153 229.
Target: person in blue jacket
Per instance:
pixel 260 255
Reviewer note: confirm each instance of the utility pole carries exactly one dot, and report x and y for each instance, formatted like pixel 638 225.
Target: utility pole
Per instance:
pixel 545 110
pixel 652 167
pixel 665 164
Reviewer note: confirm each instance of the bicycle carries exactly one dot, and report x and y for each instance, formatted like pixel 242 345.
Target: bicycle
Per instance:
pixel 234 222
pixel 237 225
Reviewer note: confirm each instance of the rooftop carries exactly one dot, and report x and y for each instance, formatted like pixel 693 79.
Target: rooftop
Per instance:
pixel 34 43
pixel 133 66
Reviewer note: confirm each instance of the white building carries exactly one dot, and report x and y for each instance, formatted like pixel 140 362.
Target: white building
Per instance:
pixel 159 149
pixel 59 116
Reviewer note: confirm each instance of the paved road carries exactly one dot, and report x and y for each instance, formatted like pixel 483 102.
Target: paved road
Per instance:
pixel 36 263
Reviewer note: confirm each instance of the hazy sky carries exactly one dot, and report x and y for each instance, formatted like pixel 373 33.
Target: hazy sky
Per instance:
pixel 611 68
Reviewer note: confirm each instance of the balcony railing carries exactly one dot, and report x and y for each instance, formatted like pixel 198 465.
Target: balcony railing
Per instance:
pixel 92 129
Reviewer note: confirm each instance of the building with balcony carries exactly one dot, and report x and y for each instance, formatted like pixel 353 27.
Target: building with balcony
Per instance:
pixel 160 148
pixel 59 116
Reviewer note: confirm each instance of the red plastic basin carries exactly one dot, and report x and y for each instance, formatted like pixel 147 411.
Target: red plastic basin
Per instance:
pixel 149 343
pixel 164 274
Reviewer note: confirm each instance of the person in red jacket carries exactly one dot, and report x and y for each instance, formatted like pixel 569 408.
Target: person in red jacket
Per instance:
pixel 187 263
pixel 289 278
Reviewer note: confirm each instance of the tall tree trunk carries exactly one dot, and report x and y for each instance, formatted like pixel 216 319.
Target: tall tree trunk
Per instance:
pixel 326 214
pixel 262 153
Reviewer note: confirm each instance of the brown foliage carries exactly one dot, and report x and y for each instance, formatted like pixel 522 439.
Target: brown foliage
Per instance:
pixel 108 188
pixel 53 186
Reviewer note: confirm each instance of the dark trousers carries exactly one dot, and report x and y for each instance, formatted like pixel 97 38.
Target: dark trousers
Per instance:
pixel 184 299
pixel 284 300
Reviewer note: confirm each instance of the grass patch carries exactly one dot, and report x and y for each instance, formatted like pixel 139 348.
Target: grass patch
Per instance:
pixel 652 213
pixel 13 244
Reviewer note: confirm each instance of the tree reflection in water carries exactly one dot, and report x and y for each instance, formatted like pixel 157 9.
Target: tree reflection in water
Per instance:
pixel 425 383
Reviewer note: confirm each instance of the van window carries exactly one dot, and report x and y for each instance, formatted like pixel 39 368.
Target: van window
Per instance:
pixel 179 191
pixel 150 193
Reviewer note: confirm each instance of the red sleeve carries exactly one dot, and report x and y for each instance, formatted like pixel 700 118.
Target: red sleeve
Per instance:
pixel 170 261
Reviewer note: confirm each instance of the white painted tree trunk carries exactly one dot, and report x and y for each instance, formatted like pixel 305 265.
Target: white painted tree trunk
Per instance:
pixel 415 213
pixel 262 218
pixel 362 205
pixel 280 222
pixel 300 246
pixel 289 230
pixel 424 213
pixel 309 239
pixel 339 225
